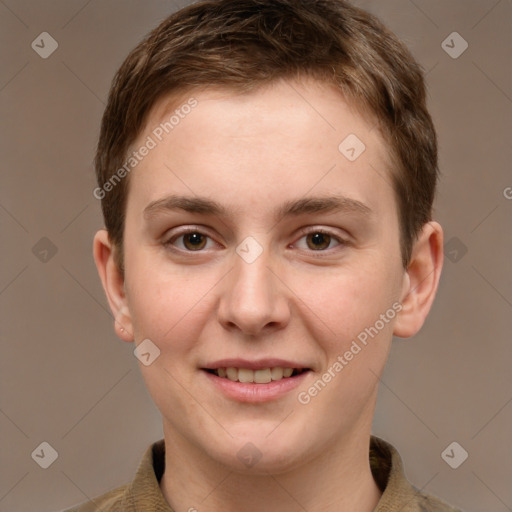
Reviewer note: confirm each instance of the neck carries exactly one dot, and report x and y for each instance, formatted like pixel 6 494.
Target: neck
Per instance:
pixel 340 480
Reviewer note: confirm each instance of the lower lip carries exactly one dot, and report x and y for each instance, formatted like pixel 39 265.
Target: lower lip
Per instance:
pixel 254 393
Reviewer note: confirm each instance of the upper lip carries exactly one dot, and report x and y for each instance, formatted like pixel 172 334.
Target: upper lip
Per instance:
pixel 258 364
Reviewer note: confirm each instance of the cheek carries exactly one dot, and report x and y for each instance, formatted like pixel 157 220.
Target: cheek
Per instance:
pixel 167 306
pixel 339 304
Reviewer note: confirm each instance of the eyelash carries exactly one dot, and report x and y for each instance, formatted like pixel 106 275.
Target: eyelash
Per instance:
pixel 304 233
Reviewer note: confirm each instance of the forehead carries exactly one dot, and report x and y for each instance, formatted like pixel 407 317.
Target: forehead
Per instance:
pixel 279 141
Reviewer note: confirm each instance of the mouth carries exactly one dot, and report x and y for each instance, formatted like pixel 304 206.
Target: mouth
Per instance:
pixel 255 381
pixel 259 376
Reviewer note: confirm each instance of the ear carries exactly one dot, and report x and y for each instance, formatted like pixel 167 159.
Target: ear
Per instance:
pixel 420 280
pixel 113 284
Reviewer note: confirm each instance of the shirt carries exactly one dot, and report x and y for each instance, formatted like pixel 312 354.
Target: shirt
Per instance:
pixel 143 494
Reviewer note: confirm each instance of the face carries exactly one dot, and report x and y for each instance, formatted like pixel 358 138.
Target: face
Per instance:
pixel 257 247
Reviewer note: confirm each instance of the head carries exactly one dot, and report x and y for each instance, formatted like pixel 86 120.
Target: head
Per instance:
pixel 264 95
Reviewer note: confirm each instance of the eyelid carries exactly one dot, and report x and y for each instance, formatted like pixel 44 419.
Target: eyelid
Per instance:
pixel 168 239
pixel 342 241
pixel 172 235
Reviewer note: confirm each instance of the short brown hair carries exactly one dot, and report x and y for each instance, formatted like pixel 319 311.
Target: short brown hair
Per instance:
pixel 244 44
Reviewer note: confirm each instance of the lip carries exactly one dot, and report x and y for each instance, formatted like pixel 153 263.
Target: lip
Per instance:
pixel 250 392
pixel 259 364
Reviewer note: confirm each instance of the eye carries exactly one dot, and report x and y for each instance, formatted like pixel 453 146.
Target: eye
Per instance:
pixel 319 241
pixel 191 240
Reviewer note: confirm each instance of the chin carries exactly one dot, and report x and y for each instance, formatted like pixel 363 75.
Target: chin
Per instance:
pixel 260 454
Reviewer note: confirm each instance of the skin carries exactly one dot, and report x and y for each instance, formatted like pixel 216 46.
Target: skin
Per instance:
pixel 252 153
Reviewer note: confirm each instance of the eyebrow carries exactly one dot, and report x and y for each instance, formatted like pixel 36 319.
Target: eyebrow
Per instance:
pixel 308 205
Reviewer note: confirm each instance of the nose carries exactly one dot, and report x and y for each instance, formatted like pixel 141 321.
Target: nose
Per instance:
pixel 253 299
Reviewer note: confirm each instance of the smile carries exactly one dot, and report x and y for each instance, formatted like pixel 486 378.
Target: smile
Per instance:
pixel 266 382
pixel 261 376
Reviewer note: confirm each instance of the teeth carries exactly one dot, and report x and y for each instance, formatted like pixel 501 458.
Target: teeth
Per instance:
pixel 277 373
pixel 232 374
pixel 245 375
pixel 262 376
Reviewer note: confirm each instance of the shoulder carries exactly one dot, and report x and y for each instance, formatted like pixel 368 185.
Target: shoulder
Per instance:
pixel 112 501
pixel 428 503
pixel 141 494
pixel 398 493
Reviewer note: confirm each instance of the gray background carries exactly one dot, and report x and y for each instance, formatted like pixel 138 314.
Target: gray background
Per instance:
pixel 67 380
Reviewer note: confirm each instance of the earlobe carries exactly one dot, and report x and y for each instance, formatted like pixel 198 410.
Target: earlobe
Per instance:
pixel 421 280
pixel 123 325
pixel 113 284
